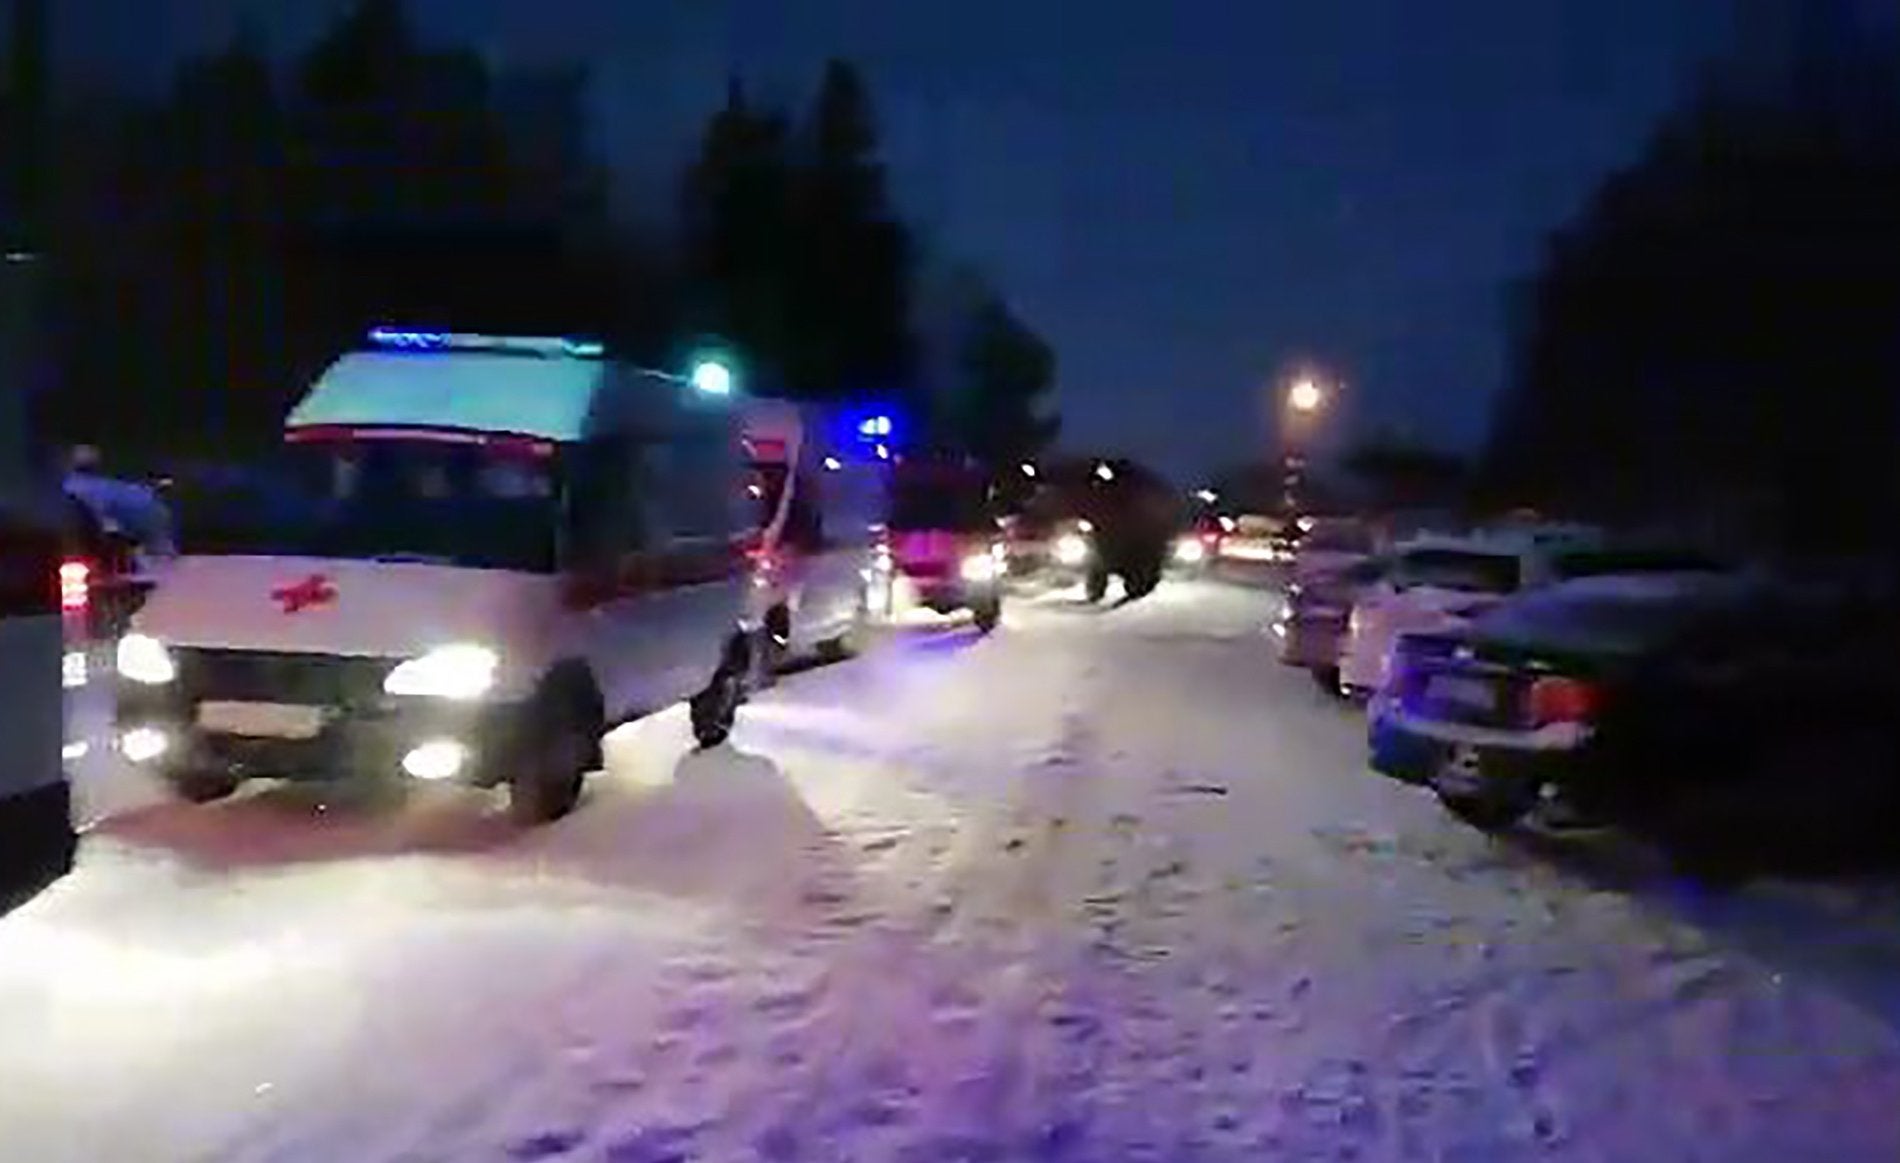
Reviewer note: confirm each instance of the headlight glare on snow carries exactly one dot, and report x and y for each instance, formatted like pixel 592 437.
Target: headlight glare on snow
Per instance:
pixel 462 671
pixel 142 659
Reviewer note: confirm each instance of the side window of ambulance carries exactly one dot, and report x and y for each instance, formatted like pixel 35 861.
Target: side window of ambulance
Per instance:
pixel 694 476
pixel 606 519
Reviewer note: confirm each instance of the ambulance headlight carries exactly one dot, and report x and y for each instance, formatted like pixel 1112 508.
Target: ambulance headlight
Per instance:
pixel 1072 549
pixel 980 567
pixel 144 660
pixel 463 671
pixel 1190 551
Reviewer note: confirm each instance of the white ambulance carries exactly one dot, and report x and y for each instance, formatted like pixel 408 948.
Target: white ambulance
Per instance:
pixel 474 555
pixel 821 479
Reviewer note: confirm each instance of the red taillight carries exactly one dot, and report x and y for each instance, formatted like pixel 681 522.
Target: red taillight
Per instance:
pixel 1562 700
pixel 75 585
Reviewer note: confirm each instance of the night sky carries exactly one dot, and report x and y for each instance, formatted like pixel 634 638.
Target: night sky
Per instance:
pixel 1182 196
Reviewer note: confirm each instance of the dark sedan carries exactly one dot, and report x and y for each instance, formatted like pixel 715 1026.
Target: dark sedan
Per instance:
pixel 1637 699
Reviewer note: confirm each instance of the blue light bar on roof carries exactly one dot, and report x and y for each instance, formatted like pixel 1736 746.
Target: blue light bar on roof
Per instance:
pixel 872 426
pixel 406 339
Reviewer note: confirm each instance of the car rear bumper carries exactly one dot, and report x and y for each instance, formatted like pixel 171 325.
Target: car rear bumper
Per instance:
pixel 1402 751
pixel 37 841
pixel 946 592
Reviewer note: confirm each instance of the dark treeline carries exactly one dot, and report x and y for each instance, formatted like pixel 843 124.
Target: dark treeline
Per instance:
pixel 217 244
pixel 1714 342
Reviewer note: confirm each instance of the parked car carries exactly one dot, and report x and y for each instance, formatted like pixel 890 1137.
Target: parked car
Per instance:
pixel 1433 583
pixel 1326 545
pixel 1440 583
pixel 1312 621
pixel 1644 700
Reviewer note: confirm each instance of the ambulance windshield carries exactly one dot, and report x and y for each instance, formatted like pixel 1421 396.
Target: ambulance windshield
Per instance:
pixel 463 504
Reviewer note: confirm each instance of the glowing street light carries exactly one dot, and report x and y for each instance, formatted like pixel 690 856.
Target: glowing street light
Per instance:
pixel 1029 470
pixel 1207 496
pixel 1104 473
pixel 1306 395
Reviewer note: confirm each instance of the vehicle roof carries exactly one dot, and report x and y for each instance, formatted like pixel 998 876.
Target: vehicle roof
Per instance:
pixel 1616 613
pixel 547 396
pixel 1684 585
pixel 1489 544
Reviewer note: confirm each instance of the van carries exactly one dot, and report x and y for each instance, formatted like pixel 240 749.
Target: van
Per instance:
pixel 821 480
pixel 946 545
pixel 471 557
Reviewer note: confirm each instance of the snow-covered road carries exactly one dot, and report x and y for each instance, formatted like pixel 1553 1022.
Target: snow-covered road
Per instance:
pixel 1107 886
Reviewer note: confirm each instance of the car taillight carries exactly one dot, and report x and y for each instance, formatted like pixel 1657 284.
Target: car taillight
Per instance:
pixel 75 585
pixel 1562 700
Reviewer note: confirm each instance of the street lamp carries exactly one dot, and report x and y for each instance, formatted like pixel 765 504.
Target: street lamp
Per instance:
pixel 1207 496
pixel 1304 402
pixel 1306 396
pixel 1029 470
pixel 1104 473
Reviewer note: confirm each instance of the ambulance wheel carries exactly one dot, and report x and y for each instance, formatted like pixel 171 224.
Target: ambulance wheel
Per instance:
pixel 774 648
pixel 715 710
pixel 563 746
pixel 989 615
pixel 1097 584
pixel 849 643
pixel 203 786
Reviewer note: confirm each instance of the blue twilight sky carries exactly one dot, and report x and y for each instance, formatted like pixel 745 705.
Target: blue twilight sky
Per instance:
pixel 1181 194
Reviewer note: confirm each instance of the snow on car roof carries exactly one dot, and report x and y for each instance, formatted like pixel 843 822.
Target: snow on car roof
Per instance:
pixel 546 397
pixel 1616 613
pixel 1486 544
pixel 1643 587
pixel 1516 541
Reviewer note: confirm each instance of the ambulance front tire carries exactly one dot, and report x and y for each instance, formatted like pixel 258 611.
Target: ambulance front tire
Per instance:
pixel 715 710
pixel 563 741
pixel 848 644
pixel 774 648
pixel 989 614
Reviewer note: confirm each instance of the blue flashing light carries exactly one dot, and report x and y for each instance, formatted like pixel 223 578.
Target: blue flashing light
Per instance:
pixel 408 339
pixel 412 340
pixel 873 427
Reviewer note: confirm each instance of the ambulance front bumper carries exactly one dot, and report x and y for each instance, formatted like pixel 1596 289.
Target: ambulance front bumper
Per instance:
pixel 311 725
